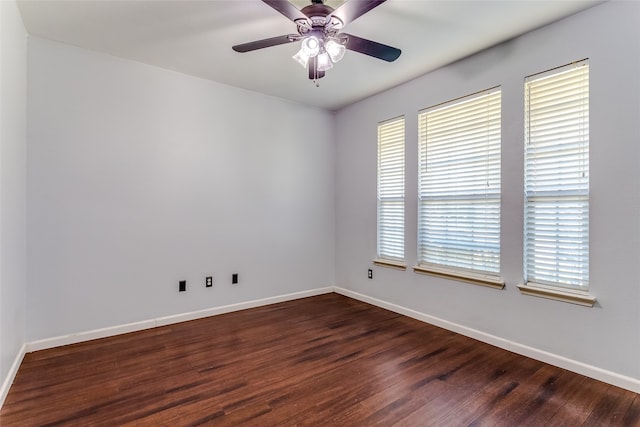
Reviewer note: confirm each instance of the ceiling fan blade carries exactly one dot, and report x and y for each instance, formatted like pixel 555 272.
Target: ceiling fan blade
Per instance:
pixel 371 48
pixel 286 8
pixel 260 44
pixel 353 9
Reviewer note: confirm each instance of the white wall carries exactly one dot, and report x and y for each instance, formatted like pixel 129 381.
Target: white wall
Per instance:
pixel 139 177
pixel 13 90
pixel 606 336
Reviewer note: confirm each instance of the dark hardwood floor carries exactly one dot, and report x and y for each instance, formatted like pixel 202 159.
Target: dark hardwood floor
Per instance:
pixel 322 361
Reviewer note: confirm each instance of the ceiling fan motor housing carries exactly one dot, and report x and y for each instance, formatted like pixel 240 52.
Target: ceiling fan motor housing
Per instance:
pixel 316 9
pixel 319 19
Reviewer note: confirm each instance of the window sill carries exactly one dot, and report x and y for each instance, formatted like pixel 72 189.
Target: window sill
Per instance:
pixel 475 279
pixel 573 297
pixel 398 265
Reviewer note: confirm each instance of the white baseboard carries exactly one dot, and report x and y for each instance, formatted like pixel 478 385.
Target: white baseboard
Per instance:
pixel 11 375
pixel 590 371
pixel 167 320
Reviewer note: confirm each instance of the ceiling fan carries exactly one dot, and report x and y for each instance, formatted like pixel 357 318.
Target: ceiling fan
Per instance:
pixel 323 44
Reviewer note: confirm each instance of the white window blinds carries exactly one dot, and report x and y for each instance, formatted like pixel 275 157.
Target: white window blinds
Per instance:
pixel 459 187
pixel 391 189
pixel 556 234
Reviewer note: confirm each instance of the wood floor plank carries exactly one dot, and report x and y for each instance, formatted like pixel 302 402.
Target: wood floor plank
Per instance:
pixel 466 403
pixel 582 396
pixel 325 360
pixel 611 408
pixel 538 398
pixel 632 417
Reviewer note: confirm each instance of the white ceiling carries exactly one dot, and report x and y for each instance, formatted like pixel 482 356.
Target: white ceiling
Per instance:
pixel 195 37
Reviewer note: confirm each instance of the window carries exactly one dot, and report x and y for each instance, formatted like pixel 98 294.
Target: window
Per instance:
pixel 556 232
pixel 459 189
pixel 391 192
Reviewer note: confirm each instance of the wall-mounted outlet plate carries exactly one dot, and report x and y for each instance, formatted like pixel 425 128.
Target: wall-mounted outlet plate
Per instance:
pixel 182 285
pixel 208 281
pixel 370 274
pixel 234 279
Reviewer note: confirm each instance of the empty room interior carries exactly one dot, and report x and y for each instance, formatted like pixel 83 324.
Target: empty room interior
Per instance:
pixel 435 220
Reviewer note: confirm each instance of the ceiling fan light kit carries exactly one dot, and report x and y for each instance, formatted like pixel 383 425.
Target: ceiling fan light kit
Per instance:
pixel 321 43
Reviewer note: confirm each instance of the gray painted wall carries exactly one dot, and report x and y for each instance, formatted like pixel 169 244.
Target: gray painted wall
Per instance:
pixel 139 177
pixel 13 88
pixel 606 336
